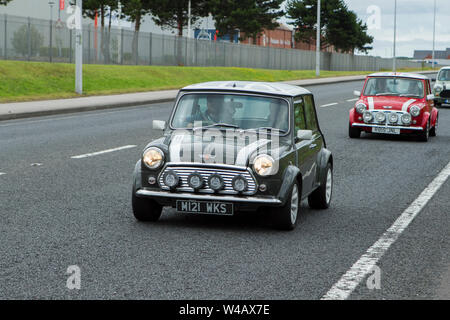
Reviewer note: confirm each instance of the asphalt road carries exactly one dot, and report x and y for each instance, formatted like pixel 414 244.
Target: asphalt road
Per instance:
pixel 56 211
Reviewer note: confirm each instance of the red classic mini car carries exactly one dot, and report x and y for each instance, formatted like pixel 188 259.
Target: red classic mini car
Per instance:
pixel 395 103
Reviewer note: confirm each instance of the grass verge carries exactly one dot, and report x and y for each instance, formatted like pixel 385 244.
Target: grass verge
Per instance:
pixel 26 81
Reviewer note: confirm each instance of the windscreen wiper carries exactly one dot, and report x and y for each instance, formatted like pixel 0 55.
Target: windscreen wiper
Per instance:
pixel 268 129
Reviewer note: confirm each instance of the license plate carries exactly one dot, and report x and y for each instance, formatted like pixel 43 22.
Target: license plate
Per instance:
pixel 386 130
pixel 205 207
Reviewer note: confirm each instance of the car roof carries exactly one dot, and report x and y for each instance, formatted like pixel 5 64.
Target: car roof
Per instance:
pixel 445 68
pixel 273 88
pixel 400 75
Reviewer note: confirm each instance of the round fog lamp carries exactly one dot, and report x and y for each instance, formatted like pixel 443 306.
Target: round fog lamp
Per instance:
pixel 393 118
pixel 380 117
pixel 406 118
pixel 215 182
pixel 367 116
pixel 171 179
pixel 195 181
pixel 239 183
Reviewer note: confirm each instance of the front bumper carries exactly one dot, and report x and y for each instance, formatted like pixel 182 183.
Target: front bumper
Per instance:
pixel 167 198
pixel 366 126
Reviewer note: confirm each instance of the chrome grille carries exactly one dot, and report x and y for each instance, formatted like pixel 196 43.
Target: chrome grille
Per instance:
pixel 205 172
pixel 387 113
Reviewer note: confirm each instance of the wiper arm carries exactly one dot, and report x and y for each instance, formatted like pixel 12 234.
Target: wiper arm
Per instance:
pixel 409 95
pixel 386 94
pixel 268 129
pixel 226 125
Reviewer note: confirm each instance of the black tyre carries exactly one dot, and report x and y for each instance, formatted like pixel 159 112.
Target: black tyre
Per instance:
pixel 353 133
pixel 321 197
pixel 286 217
pixel 433 131
pixel 145 209
pixel 425 134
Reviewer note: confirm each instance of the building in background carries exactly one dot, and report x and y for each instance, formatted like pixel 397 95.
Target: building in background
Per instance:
pixel 280 37
pixel 428 54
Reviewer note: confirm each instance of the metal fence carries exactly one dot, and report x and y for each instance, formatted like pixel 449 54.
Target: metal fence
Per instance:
pixel 44 40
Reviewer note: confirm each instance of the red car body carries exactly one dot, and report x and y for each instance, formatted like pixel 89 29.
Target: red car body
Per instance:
pixel 395 106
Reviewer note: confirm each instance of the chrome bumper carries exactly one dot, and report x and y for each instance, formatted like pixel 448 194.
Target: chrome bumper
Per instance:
pixel 207 197
pixel 364 125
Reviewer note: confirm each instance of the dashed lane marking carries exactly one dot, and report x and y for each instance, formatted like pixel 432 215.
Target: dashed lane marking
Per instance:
pixel 103 152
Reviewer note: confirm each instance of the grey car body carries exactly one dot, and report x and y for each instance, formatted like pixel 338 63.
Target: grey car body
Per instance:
pixel 300 154
pixel 441 88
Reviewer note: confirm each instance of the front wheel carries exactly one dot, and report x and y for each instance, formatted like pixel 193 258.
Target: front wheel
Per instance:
pixel 321 197
pixel 285 218
pixel 353 133
pixel 145 209
pixel 425 134
pixel 433 131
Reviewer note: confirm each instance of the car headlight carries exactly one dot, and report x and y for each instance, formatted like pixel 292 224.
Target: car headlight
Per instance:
pixel 438 88
pixel 393 118
pixel 263 165
pixel 239 183
pixel 406 118
pixel 368 116
pixel 153 157
pixel 380 117
pixel 415 111
pixel 360 108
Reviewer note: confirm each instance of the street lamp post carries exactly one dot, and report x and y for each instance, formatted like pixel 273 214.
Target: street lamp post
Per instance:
pixel 79 48
pixel 189 19
pixel 394 67
pixel 434 35
pixel 318 40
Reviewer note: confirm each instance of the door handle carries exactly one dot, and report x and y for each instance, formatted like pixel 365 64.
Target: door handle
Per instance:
pixel 312 145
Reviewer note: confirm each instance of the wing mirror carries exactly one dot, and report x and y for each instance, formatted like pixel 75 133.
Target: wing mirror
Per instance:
pixel 430 97
pixel 433 79
pixel 357 93
pixel 159 125
pixel 305 134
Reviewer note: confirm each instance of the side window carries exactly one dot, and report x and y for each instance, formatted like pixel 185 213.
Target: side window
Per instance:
pixel 310 111
pixel 299 116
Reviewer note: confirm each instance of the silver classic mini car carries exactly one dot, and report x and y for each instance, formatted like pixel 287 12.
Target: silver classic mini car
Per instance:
pixel 236 146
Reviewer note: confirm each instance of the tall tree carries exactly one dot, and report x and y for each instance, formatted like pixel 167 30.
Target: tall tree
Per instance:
pixel 340 27
pixel 100 7
pixel 134 11
pixel 174 14
pixel 4 2
pixel 249 16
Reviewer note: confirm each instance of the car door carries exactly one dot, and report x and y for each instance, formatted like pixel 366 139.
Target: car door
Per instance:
pixel 317 142
pixel 303 147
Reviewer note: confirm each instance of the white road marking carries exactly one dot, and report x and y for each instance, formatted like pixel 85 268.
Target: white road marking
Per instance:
pixel 2 173
pixel 342 289
pixel 102 152
pixel 85 114
pixel 350 100
pixel 329 105
pixel 36 164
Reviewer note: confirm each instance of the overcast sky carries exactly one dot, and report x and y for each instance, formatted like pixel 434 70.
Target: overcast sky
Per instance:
pixel 414 25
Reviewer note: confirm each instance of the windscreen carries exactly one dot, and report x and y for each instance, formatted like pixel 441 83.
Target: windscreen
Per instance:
pixel 231 110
